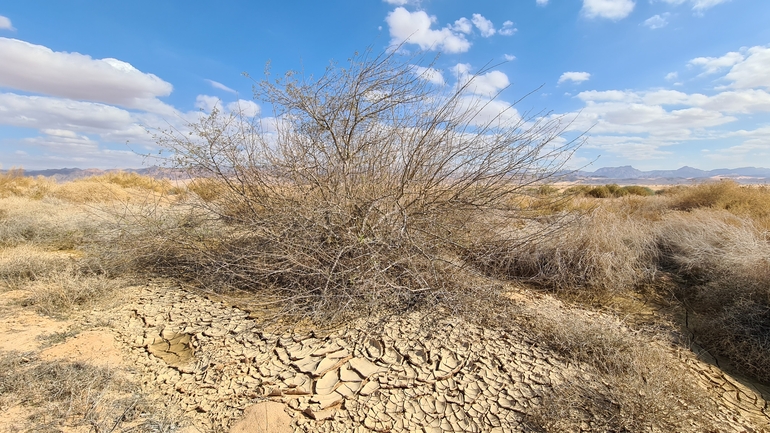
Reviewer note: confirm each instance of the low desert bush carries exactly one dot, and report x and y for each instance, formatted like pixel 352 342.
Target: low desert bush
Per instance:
pixel 23 263
pixel 639 190
pixel 49 223
pixel 742 200
pixel 14 184
pixel 60 293
pixel 639 385
pixel 725 261
pixel 58 395
pixel 601 253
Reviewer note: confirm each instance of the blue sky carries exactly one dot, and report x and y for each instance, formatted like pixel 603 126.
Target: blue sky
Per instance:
pixel 658 83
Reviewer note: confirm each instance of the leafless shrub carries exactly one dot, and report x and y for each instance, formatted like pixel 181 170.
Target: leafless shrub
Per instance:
pixel 365 189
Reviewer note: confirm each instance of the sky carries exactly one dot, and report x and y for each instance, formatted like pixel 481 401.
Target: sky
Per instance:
pixel 656 84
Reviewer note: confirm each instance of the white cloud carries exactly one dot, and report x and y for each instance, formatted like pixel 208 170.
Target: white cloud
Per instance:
pixel 486 28
pixel 712 65
pixel 247 108
pixel 430 74
pixel 43 112
pixel 78 76
pixel 542 2
pixel 577 77
pixel 397 2
pixel 207 103
pixel 697 5
pixel 489 112
pixel 700 5
pixel 463 25
pixel 508 29
pixel 657 21
pixel 220 86
pixel 509 57
pixel 488 84
pixel 415 28
pixel 5 23
pixel 671 76
pixel 244 107
pixel 610 9
pixel 751 72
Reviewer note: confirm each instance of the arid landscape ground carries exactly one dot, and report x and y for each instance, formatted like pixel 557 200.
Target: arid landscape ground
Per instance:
pixel 603 337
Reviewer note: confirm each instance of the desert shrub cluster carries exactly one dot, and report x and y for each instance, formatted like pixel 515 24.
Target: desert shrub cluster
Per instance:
pixel 365 192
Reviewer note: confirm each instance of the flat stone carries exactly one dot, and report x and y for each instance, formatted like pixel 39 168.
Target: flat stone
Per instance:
pixel 369 388
pixel 327 401
pixel 308 364
pixel 348 374
pixel 321 415
pixel 328 383
pixel 264 417
pixel 364 367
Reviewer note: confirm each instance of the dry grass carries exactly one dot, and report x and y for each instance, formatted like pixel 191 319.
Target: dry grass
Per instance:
pixel 60 395
pixel 640 384
pixel 20 264
pixel 49 223
pixel 61 293
pixel 743 200
pixel 725 262
pixel 602 253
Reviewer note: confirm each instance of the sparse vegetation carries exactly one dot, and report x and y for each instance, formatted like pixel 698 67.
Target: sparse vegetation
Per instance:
pixel 73 394
pixel 372 194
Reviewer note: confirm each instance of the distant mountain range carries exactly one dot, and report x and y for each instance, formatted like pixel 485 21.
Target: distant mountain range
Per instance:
pixel 604 175
pixel 684 173
pixel 67 174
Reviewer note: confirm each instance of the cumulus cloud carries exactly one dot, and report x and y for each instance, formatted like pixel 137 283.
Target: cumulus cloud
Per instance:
pixel 657 21
pixel 488 84
pixel 486 28
pixel 577 77
pixel 751 71
pixel 610 9
pixel 463 25
pixel 220 86
pixel 508 29
pixel 244 107
pixel 671 76
pixel 5 23
pixel 397 2
pixel 713 65
pixel 509 57
pixel 78 76
pixel 415 28
pixel 207 103
pixel 435 76
pixel 542 2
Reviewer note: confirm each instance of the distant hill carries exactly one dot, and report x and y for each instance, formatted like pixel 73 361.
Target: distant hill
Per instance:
pixel 624 174
pixel 68 174
pixel 629 173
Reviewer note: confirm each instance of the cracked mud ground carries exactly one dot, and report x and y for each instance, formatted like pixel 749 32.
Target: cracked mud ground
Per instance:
pixel 221 371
